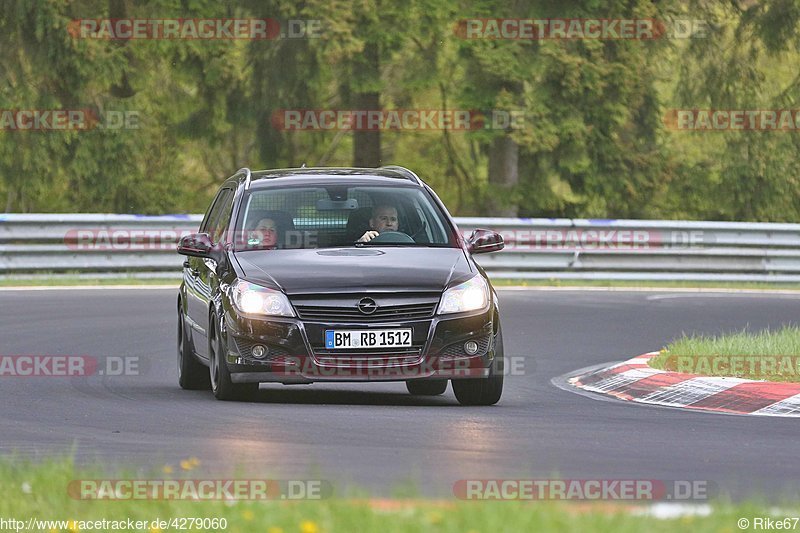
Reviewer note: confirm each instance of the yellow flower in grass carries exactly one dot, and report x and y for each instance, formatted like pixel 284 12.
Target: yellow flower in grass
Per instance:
pixel 274 529
pixel 72 526
pixel 435 518
pixel 248 515
pixel 307 526
pixel 190 464
pixel 167 469
pixel 155 530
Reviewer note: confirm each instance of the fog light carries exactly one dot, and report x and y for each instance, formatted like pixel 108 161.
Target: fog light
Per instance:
pixel 471 347
pixel 259 351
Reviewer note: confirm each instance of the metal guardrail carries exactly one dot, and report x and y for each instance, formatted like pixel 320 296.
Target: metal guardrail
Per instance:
pixel 144 246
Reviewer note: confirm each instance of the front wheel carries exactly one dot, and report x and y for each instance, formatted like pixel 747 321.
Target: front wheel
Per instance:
pixel 483 391
pixel 192 375
pixel 432 387
pixel 221 384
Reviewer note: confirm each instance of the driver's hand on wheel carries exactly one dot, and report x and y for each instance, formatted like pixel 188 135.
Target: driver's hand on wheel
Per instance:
pixel 368 236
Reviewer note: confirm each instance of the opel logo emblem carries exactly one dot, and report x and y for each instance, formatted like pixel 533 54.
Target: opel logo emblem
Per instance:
pixel 367 306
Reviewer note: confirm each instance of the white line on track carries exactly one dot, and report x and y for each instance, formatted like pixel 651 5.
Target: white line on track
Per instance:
pixel 722 295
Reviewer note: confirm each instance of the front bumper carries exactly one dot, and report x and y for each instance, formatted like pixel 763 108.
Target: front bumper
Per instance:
pixel 296 354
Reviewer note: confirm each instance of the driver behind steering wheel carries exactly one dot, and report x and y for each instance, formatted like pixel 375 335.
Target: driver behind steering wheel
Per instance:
pixel 384 218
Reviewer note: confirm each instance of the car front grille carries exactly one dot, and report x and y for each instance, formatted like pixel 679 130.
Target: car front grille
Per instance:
pixel 377 357
pixel 387 313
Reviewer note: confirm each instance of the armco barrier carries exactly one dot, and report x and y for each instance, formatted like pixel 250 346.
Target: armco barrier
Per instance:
pixel 535 248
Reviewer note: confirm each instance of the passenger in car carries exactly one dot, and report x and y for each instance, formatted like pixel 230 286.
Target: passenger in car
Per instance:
pixel 264 235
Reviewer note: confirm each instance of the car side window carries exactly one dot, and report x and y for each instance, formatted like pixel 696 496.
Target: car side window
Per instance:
pixel 224 221
pixel 216 221
pixel 212 212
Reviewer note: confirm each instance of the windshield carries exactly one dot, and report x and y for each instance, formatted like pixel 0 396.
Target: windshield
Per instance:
pixel 339 215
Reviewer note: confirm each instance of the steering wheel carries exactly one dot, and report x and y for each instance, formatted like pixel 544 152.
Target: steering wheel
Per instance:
pixel 391 237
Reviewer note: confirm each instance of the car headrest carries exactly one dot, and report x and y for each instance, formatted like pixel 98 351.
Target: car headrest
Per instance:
pixel 282 219
pixel 358 223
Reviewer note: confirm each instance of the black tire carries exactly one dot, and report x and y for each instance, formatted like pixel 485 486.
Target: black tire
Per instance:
pixel 430 387
pixel 483 391
pixel 221 384
pixel 192 375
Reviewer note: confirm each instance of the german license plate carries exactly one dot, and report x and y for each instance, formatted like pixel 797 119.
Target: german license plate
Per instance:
pixel 371 338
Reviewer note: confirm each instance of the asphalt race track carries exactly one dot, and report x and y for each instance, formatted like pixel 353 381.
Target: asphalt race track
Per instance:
pixel 378 438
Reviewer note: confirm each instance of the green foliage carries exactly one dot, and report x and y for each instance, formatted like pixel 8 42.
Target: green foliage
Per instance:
pixel 593 142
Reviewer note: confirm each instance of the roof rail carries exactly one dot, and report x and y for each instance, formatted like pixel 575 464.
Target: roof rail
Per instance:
pixel 247 175
pixel 404 171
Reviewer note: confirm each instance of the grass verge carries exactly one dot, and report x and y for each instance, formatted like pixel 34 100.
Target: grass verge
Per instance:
pixel 40 491
pixel 773 355
pixel 77 282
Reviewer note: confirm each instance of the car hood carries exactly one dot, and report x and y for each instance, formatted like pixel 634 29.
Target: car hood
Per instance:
pixel 336 270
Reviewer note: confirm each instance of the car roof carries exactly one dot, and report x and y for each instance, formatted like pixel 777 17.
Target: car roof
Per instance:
pixel 321 175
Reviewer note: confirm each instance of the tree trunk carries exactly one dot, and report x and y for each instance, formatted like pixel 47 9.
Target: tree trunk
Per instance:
pixel 503 177
pixel 117 9
pixel 367 144
pixel 9 199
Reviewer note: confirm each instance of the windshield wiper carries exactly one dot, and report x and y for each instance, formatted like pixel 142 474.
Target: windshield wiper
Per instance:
pixel 401 244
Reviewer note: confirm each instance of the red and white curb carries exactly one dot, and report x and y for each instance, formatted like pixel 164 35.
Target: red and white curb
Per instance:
pixel 635 380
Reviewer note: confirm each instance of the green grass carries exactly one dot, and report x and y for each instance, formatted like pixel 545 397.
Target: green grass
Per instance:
pixel 40 490
pixel 770 354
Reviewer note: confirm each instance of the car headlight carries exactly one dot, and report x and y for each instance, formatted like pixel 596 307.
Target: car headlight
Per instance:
pixel 254 299
pixel 468 296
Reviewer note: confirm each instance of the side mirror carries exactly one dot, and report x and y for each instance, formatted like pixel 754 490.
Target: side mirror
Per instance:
pixel 200 245
pixel 484 240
